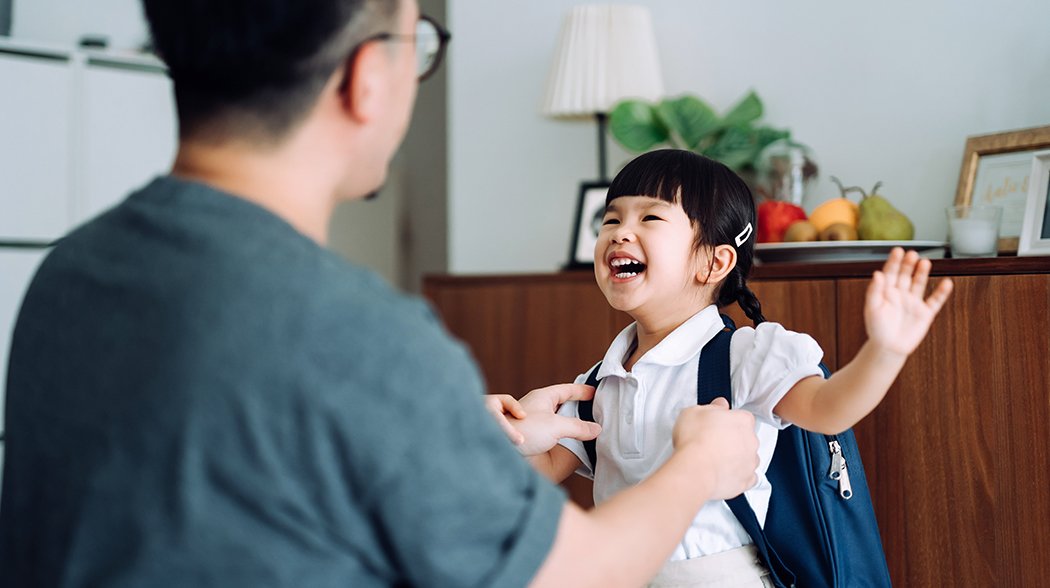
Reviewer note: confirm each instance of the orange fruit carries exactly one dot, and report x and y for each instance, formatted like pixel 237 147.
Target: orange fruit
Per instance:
pixel 836 210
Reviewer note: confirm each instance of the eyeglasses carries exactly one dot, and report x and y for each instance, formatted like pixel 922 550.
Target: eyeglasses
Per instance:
pixel 430 40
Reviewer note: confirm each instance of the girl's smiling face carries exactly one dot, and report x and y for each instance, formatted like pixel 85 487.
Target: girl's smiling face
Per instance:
pixel 646 261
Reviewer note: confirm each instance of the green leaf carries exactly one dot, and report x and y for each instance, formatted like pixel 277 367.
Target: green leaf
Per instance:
pixel 690 118
pixel 763 137
pixel 637 126
pixel 748 110
pixel 766 135
pixel 735 148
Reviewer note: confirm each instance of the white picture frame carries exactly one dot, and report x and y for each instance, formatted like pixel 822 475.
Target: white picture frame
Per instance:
pixel 1035 230
pixel 994 171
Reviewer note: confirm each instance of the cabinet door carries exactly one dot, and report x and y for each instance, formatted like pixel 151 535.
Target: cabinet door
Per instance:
pixel 35 161
pixel 958 453
pixel 527 335
pixel 128 133
pixel 802 306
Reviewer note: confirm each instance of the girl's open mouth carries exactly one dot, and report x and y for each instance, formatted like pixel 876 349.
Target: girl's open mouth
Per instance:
pixel 623 267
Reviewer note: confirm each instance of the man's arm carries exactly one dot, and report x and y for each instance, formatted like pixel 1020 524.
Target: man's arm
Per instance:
pixel 625 541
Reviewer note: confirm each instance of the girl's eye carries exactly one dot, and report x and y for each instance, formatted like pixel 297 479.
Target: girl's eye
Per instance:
pixel 651 217
pixel 611 221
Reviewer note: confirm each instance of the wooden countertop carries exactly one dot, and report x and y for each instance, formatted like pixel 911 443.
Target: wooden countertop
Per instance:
pixel 1006 265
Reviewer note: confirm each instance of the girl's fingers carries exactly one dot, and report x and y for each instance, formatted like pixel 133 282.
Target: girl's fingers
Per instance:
pixel 875 290
pixel 893 265
pixel 940 295
pixel 907 271
pixel 922 278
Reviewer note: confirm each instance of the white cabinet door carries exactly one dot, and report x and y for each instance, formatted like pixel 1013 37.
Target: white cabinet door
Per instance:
pixel 17 267
pixel 35 160
pixel 128 134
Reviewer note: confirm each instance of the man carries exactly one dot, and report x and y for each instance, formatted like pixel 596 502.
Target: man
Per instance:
pixel 201 394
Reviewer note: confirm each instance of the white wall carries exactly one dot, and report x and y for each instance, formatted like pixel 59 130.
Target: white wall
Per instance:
pixel 881 90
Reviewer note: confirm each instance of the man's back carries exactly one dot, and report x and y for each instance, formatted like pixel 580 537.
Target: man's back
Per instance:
pixel 198 394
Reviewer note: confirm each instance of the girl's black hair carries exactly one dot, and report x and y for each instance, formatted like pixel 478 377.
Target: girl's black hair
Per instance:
pixel 715 199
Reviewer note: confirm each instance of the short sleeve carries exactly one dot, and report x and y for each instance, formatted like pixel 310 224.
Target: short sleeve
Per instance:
pixel 451 502
pixel 766 362
pixel 571 409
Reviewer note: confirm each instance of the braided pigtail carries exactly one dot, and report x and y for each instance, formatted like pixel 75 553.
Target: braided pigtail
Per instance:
pixel 734 289
pixel 750 304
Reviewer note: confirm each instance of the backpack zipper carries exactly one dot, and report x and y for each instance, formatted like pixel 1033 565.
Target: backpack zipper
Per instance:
pixel 839 470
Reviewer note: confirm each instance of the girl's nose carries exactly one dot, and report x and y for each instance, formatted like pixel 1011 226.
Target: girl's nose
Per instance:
pixel 622 234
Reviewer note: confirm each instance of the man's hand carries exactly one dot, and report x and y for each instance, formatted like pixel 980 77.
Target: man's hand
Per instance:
pixel 723 444
pixel 533 423
pixel 501 405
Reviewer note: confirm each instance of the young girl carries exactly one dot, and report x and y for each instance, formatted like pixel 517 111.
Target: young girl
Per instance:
pixel 677 243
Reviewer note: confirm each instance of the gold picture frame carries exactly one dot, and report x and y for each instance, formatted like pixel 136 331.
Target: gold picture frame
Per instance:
pixel 1006 159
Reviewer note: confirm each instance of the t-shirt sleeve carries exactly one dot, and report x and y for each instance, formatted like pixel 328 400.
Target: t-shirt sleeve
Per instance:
pixel 449 498
pixel 766 362
pixel 572 409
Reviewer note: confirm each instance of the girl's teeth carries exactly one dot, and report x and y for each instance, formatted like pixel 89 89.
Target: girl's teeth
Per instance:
pixel 625 275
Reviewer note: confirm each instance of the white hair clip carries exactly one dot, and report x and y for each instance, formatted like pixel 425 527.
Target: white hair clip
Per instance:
pixel 743 235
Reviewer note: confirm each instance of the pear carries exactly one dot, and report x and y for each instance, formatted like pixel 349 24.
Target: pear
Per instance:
pixel 839 232
pixel 801 231
pixel 880 221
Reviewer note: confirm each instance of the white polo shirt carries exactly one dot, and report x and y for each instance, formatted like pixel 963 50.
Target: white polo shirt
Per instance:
pixel 637 412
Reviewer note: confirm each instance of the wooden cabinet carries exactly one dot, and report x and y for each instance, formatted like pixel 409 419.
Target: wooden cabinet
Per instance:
pixel 957 455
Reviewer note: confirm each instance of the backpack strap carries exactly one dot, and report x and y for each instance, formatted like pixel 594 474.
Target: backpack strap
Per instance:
pixel 585 410
pixel 713 381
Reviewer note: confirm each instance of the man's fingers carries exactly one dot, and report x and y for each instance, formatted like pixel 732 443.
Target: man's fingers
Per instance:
pixel 504 403
pixel 559 394
pixel 720 403
pixel 512 406
pixel 577 429
pixel 515 437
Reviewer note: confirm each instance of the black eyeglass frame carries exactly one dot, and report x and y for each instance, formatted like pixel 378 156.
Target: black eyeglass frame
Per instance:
pixel 444 36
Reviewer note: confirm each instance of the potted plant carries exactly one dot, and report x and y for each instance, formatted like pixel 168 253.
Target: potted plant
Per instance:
pixel 736 138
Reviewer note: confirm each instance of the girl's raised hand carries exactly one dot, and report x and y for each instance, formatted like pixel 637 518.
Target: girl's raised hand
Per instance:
pixel 895 313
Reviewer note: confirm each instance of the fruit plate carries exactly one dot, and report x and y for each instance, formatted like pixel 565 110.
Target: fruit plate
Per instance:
pixel 829 251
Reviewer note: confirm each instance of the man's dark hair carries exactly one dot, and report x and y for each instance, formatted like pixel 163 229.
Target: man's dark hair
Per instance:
pixel 256 67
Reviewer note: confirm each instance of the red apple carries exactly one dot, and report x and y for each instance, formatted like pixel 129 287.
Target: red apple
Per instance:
pixel 774 217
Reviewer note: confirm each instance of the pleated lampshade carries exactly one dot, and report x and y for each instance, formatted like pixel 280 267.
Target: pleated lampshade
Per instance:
pixel 605 53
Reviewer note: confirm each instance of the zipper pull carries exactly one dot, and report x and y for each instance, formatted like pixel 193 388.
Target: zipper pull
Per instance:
pixel 838 463
pixel 845 490
pixel 839 470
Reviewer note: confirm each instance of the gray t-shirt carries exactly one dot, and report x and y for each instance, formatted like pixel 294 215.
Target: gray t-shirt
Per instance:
pixel 199 395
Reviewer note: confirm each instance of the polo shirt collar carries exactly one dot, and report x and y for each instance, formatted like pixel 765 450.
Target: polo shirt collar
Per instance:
pixel 681 345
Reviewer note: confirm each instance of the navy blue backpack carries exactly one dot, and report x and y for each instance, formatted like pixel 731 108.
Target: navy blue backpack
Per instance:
pixel 820 528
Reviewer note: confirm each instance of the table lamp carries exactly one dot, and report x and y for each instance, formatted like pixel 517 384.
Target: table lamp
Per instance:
pixel 605 53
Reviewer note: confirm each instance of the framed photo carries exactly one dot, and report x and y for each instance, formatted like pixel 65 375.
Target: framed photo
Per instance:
pixel 1035 233
pixel 995 170
pixel 590 208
